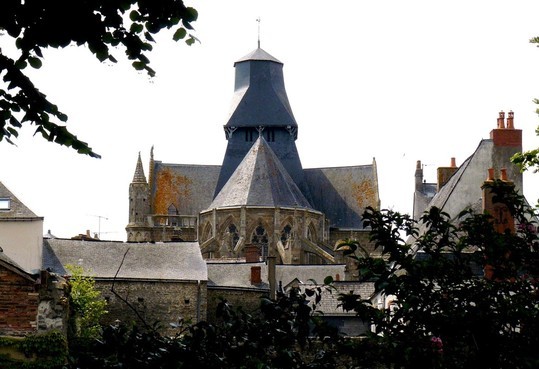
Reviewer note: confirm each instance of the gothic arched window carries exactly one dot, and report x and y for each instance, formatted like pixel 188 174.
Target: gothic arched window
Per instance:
pixel 233 236
pixel 286 235
pixel 260 239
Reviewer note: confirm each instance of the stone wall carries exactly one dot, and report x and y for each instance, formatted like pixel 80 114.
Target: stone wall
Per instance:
pixel 155 301
pixel 53 308
pixel 246 298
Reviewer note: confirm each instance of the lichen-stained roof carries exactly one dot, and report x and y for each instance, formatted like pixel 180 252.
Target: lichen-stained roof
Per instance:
pixel 17 208
pixel 260 180
pixel 189 187
pixel 181 261
pixel 343 193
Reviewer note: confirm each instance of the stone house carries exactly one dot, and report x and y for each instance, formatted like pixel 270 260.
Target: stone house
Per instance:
pixel 152 282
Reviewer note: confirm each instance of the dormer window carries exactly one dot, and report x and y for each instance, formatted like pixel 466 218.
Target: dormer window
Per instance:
pixel 5 203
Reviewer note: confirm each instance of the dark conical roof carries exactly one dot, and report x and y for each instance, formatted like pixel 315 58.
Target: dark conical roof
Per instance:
pixel 259 94
pixel 260 180
pixel 139 176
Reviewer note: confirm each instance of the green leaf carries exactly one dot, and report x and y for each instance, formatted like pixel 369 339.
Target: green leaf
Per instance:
pixel 328 280
pixel 134 15
pixel 35 62
pixel 138 65
pixel 136 27
pixel 179 34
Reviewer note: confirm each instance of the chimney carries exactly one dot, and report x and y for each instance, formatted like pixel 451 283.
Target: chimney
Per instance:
pixel 506 136
pixel 252 254
pixel 502 218
pixel 418 176
pixel 445 173
pixel 256 275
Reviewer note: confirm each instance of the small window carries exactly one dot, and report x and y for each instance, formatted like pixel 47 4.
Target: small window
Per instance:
pixel 5 204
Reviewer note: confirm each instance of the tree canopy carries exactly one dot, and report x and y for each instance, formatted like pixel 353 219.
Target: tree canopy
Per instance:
pixel 103 26
pixel 461 293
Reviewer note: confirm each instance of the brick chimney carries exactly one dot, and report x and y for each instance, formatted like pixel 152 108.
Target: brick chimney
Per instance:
pixel 445 173
pixel 506 134
pixel 252 254
pixel 503 220
pixel 256 275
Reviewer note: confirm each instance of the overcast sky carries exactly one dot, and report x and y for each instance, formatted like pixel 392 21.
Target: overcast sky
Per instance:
pixel 396 80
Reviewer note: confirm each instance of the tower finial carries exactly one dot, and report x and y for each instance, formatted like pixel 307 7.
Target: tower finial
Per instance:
pixel 258 21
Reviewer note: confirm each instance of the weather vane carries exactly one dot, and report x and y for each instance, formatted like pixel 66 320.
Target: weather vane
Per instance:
pixel 258 21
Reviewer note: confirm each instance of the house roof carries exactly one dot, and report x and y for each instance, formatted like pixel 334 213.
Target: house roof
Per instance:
pixel 154 261
pixel 260 180
pixel 16 208
pixel 237 275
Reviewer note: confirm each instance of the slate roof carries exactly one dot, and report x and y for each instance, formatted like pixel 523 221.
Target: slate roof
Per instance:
pixel 260 97
pixel 258 54
pixel 343 193
pixel 181 261
pixel 237 275
pixel 260 180
pixel 17 208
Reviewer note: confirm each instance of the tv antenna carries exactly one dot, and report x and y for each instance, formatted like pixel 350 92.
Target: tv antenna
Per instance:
pixel 99 217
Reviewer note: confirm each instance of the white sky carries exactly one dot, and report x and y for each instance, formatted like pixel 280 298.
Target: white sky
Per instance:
pixel 396 80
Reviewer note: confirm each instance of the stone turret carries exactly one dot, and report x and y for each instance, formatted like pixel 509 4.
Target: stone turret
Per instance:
pixel 139 206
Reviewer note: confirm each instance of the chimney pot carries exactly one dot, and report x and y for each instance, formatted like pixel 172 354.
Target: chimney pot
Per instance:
pixel 501 120
pixel 503 172
pixel 490 174
pixel 453 163
pixel 510 117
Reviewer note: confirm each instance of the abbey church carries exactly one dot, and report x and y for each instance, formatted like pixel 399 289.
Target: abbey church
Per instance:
pixel 260 202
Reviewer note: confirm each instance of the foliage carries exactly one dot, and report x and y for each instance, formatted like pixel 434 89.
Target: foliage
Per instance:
pixel 42 351
pixel 88 305
pixel 98 24
pixel 529 159
pixel 444 313
pixel 276 336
